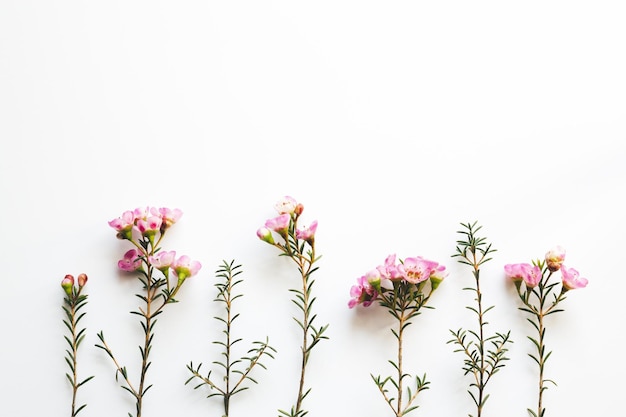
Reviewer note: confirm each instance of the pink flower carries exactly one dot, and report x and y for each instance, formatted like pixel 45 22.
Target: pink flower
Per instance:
pixel 286 205
pixel 555 258
pixel 572 279
pixel 124 225
pixel 389 270
pixel 279 224
pixel 141 212
pixel 184 268
pixel 168 216
pixel 149 226
pixel 130 262
pixel 532 276
pixel 528 273
pixel 438 276
pixel 68 284
pixel 362 293
pixel 417 269
pixel 307 233
pixel 515 271
pixel 162 260
pixel 82 280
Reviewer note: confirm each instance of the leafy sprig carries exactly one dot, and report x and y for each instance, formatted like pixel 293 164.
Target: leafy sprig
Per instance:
pixel 74 302
pixel 485 354
pixel 235 371
pixel 298 244
pixel 403 302
pixel 145 229
pixel 403 288
pixel 540 298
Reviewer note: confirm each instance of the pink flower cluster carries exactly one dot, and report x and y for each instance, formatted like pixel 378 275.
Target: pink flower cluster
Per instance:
pixel 144 223
pixel 531 275
pixel 147 221
pixel 414 270
pixel 288 212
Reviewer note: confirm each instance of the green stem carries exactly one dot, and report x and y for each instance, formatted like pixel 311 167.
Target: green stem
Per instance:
pixel 227 392
pixel 302 261
pixel 73 324
pixel 401 322
pixel 481 326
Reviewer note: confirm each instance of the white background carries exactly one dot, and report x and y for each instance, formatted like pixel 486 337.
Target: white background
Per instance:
pixel 392 122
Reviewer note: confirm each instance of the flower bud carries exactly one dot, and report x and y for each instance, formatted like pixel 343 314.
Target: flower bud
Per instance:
pixel 68 284
pixel 555 258
pixel 265 235
pixel 82 280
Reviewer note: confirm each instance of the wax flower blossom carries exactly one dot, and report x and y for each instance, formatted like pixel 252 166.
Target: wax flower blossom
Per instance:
pixel 403 288
pixel 540 296
pixel 161 275
pixel 74 302
pixel 297 242
pixel 485 354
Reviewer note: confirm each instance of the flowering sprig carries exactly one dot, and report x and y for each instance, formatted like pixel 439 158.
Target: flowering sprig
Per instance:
pixel 232 384
pixel 298 244
pixel 484 354
pixel 403 289
pixel 161 274
pixel 541 297
pixel 74 301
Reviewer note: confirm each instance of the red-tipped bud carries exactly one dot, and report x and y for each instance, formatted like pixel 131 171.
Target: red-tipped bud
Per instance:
pixel 68 284
pixel 82 280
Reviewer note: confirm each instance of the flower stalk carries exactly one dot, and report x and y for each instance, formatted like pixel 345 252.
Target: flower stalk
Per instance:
pixel 298 244
pixel 403 289
pixel 541 296
pixel 74 302
pixel 485 355
pixel 161 275
pixel 233 376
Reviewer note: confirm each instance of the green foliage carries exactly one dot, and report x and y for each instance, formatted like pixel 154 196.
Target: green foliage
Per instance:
pixel 302 253
pixel 235 371
pixel 157 293
pixel 404 302
pixel 539 302
pixel 73 304
pixel 485 355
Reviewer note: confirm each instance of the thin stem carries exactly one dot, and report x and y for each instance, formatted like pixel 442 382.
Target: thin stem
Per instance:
pixel 74 301
pixel 541 363
pixel 302 261
pixel 119 369
pixel 73 324
pixel 225 295
pixel 482 362
pixel 481 326
pixel 401 322
pixel 146 347
pixel 541 292
pixel 227 300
